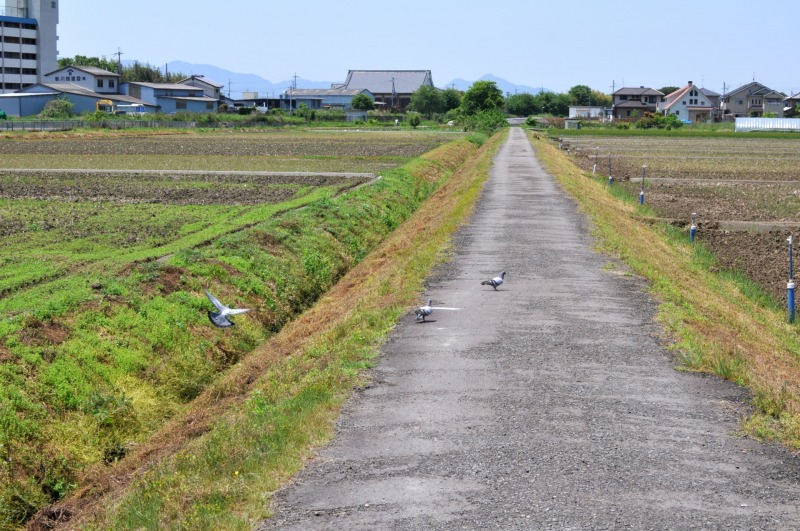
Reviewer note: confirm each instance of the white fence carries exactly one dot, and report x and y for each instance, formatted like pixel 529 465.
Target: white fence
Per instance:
pixel 744 125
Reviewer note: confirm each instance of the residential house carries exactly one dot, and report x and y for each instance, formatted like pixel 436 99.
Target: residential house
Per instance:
pixel 322 98
pixel 630 103
pixel 790 105
pixel 212 89
pixel 170 98
pixel 30 101
pixel 687 103
pixel 390 88
pixel 88 77
pixel 28 42
pixel 715 98
pixel 752 100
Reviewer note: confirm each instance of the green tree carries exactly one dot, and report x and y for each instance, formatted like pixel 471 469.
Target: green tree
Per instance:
pixel 427 100
pixel 452 99
pixel 601 99
pixel 82 60
pixel 580 95
pixel 414 120
pixel 135 72
pixel 522 104
pixel 58 108
pixel 482 96
pixel 362 102
pixel 554 104
pixel 584 95
pixel 486 121
pixel 667 90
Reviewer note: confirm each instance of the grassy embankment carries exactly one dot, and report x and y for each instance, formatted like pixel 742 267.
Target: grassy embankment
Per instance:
pixel 100 344
pixel 266 416
pixel 721 322
pixel 134 343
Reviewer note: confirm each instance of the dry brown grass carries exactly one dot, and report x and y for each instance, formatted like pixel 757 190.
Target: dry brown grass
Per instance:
pixel 714 323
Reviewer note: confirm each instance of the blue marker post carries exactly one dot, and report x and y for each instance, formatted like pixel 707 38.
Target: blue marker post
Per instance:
pixel 790 284
pixel 596 154
pixel 641 194
pixel 693 228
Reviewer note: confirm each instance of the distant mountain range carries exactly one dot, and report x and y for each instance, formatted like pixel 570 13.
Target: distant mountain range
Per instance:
pixel 237 83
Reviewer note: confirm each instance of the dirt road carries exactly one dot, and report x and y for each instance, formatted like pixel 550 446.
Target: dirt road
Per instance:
pixel 548 404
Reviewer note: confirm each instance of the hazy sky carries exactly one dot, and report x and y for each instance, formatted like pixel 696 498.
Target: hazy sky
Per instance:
pixel 714 43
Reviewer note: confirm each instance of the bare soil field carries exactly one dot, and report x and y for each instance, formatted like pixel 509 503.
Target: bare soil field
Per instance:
pixel 745 192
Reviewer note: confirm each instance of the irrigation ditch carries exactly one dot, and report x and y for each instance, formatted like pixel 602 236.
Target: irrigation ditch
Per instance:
pixel 331 227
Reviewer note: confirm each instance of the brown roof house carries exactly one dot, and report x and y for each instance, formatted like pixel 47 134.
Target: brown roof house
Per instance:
pixel 631 103
pixel 688 103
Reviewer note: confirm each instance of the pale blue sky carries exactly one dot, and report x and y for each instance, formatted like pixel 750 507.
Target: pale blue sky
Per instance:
pixel 528 42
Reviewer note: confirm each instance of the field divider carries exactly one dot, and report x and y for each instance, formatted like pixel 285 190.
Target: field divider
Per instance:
pixel 346 175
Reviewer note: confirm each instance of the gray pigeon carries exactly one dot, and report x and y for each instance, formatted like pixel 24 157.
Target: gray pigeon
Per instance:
pixel 495 282
pixel 424 311
pixel 220 318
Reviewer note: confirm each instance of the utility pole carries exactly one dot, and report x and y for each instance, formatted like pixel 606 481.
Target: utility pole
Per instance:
pixel 119 61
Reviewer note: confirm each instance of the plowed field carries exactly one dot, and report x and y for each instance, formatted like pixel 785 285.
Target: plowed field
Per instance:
pixel 745 192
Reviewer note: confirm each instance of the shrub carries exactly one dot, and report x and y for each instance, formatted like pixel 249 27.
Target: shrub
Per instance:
pixel 654 120
pixel 58 108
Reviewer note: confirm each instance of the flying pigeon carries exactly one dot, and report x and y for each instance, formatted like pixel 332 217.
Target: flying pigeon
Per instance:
pixel 495 282
pixel 424 311
pixel 220 318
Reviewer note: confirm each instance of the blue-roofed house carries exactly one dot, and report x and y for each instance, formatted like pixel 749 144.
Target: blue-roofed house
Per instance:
pixel 212 89
pixel 391 88
pixel 170 98
pixel 30 101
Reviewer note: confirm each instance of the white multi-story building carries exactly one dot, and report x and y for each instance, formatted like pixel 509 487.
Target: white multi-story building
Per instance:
pixel 28 42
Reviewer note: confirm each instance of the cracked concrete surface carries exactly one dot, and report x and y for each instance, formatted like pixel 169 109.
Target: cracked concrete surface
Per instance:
pixel 549 404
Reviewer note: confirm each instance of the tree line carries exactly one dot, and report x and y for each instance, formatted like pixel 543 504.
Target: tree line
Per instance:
pixel 136 72
pixel 483 95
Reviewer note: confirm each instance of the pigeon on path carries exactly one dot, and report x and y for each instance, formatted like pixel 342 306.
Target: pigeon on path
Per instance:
pixel 495 282
pixel 220 318
pixel 424 311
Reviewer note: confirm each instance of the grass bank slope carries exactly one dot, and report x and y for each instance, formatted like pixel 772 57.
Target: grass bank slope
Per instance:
pixel 95 365
pixel 216 465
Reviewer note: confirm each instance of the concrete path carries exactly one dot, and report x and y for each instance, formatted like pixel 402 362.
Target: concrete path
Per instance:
pixel 548 404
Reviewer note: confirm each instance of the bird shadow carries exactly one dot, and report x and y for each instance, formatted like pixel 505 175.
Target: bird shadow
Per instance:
pixel 426 322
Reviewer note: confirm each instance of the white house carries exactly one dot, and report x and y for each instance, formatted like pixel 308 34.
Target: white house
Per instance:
pixel 212 89
pixel 88 77
pixel 687 103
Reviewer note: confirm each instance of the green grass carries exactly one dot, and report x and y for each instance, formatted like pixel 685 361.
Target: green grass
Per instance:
pixel 224 480
pixel 101 345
